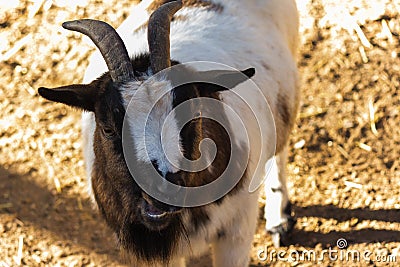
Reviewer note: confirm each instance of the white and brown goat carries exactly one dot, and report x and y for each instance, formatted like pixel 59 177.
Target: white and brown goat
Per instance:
pixel 261 34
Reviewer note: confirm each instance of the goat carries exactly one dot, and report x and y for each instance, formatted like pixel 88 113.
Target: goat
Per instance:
pixel 259 34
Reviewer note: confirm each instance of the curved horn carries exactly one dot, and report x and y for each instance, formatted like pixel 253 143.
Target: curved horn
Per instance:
pixel 110 45
pixel 158 35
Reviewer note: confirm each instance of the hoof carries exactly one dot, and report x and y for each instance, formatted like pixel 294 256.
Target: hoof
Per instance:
pixel 280 234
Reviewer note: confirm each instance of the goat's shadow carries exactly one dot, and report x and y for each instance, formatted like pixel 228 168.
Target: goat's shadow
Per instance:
pixel 309 239
pixel 76 222
pixel 366 235
pixel 67 215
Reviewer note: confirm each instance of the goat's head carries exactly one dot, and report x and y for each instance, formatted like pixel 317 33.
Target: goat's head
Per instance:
pixel 143 224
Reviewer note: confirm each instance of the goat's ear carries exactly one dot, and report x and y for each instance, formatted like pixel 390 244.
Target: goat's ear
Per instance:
pixel 227 79
pixel 81 96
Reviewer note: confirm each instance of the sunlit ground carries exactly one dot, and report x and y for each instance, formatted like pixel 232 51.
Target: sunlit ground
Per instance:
pixel 344 171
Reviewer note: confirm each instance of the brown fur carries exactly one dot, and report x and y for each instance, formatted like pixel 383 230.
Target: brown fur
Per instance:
pixel 284 120
pixel 209 5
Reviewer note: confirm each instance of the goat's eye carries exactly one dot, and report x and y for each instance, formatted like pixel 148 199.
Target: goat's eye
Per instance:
pixel 108 132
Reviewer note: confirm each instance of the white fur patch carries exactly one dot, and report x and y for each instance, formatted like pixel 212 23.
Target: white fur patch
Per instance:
pixel 88 127
pixel 155 96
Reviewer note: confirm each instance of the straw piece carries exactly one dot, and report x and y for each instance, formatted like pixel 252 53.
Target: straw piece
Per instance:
pixel 372 117
pixel 365 147
pixel 361 35
pixel 343 152
pixel 363 54
pixel 33 10
pixel 18 46
pixel 353 185
pixel 386 31
pixel 18 258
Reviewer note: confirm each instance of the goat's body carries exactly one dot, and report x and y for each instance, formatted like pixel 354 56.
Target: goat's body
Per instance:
pixel 257 33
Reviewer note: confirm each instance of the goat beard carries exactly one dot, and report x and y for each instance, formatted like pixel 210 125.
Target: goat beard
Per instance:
pixel 140 244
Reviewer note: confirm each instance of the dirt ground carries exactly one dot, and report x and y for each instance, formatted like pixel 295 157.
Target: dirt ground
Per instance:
pixel 344 170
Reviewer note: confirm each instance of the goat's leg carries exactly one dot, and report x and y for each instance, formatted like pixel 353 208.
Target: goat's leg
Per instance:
pixel 231 247
pixel 278 210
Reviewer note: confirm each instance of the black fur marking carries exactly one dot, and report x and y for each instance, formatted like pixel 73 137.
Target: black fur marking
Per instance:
pixel 221 234
pixel 274 190
pixel 199 218
pixel 83 96
pixel 288 210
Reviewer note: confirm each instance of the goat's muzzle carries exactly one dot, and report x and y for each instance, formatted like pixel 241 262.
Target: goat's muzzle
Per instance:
pixel 155 214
